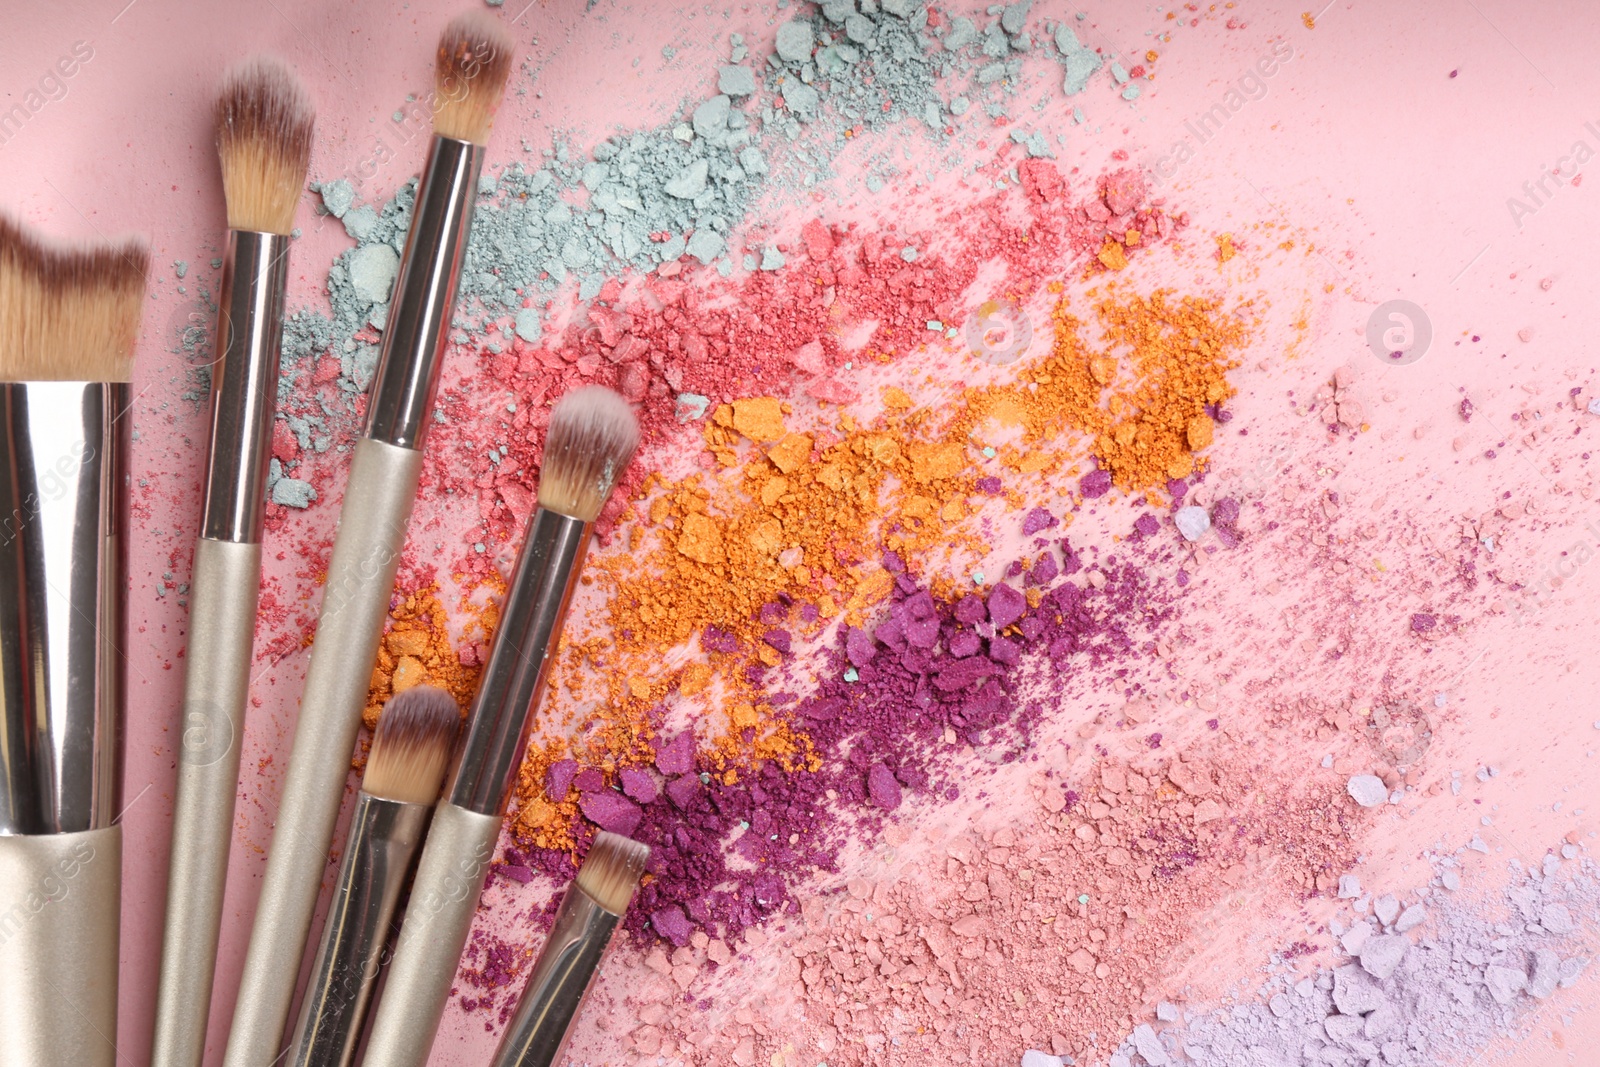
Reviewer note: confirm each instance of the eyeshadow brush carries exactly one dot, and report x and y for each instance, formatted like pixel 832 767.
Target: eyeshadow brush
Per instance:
pixel 410 754
pixel 473 62
pixel 263 125
pixel 571 956
pixel 68 321
pixel 591 439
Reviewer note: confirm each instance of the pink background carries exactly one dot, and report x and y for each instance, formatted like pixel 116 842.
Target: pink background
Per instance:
pixel 1399 172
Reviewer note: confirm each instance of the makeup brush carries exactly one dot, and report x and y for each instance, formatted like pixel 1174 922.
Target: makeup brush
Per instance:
pixel 592 437
pixel 263 123
pixel 68 320
pixel 571 955
pixel 410 753
pixel 473 62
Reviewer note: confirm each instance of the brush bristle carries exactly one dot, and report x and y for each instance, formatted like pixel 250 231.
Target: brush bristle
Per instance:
pixel 592 437
pixel 264 121
pixel 470 76
pixel 612 869
pixel 68 314
pixel 411 746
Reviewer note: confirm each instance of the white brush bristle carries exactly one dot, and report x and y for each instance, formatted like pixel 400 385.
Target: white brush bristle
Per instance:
pixel 593 434
pixel 68 314
pixel 264 121
pixel 469 77
pixel 411 746
pixel 612 869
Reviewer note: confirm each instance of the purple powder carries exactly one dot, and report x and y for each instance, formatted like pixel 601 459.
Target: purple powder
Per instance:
pixel 990 486
pixel 677 755
pixel 1146 525
pixel 1422 622
pixel 879 737
pixel 1176 488
pixel 858 646
pixel 1045 570
pixel 558 779
pixel 718 640
pixel 1095 484
pixel 517 873
pixel 639 784
pixel 590 780
pixel 773 613
pixel 1036 520
pixel 672 924
pixel 1226 512
pixel 1006 605
pixel 882 787
pixel 611 811
pixel 778 639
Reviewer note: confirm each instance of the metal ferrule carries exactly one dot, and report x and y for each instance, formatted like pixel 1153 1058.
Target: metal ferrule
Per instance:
pixel 383 840
pixel 513 681
pixel 424 296
pixel 560 980
pixel 244 384
pixel 63 448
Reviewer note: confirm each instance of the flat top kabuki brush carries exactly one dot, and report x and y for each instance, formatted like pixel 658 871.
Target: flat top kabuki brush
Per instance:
pixel 591 439
pixel 263 123
pixel 68 319
pixel 474 60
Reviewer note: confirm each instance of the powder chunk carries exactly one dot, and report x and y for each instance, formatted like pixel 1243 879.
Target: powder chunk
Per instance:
pixel 1149 1046
pixel 736 81
pixel 677 755
pixel 1367 790
pixel 611 811
pixel 778 639
pixel 1095 484
pixel 1504 983
pixel 1353 992
pixel 759 418
pixel 701 540
pixel 711 117
pixel 293 493
pixel 859 647
pixel 883 788
pixel 705 245
pixel 671 923
pixel 1081 961
pixel 1381 955
pixel 970 610
pixel 1192 522
pixel 1546 973
pixel 690 182
pixel 1006 605
pixel 1036 520
pixel 794 41
pixel 639 785
pixel 682 791
pixel 372 269
pixel 558 779
pixel 1556 918
pixel 1411 918
pixel 791 453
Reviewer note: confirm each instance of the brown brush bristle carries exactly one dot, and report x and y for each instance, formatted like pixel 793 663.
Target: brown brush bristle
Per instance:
pixel 469 76
pixel 411 746
pixel 264 121
pixel 612 869
pixel 68 313
pixel 593 434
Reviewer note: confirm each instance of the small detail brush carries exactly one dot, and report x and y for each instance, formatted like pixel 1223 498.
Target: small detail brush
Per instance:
pixel 410 753
pixel 68 322
pixel 571 956
pixel 263 123
pixel 473 62
pixel 591 439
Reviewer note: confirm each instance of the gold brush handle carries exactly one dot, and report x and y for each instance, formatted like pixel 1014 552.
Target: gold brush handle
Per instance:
pixel 60 915
pixel 355 601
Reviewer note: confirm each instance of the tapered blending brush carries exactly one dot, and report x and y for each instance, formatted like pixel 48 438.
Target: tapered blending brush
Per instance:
pixel 591 439
pixel 570 958
pixel 68 320
pixel 410 753
pixel 474 60
pixel 263 123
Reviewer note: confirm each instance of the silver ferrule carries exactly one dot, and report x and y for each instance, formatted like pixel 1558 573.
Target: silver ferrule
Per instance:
pixel 244 385
pixel 383 840
pixel 560 980
pixel 63 497
pixel 424 299
pixel 513 681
